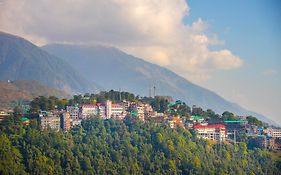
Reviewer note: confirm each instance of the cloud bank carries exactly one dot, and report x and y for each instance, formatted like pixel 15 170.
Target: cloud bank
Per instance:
pixel 150 29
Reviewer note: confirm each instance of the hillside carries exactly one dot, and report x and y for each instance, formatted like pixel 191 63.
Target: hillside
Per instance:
pixel 21 60
pixel 129 147
pixel 21 90
pixel 116 69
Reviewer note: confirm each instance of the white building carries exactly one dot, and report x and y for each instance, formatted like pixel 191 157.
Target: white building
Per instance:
pixel 118 111
pixel 104 110
pixel 215 132
pixel 276 133
pixel 87 111
pixel 108 108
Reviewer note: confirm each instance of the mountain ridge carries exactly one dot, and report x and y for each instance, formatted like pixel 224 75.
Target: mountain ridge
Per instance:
pixel 22 60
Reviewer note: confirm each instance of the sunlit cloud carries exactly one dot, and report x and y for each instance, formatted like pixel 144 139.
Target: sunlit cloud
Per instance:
pixel 150 29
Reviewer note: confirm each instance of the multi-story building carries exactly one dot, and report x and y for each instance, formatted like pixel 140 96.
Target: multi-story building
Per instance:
pixel 101 108
pixel 104 110
pixel 118 111
pixel 73 112
pixel 108 108
pixel 87 111
pixel 50 120
pixel 215 132
pixel 276 133
pixel 138 109
pixel 65 121
pixel 74 115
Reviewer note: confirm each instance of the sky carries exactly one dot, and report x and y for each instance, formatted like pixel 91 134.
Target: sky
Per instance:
pixel 231 47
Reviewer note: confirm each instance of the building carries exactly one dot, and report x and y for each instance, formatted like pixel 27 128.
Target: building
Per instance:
pixel 215 132
pixel 49 120
pixel 87 111
pixel 108 108
pixel 25 121
pixel 138 109
pixel 175 121
pixel 197 119
pixel 74 115
pixel 196 110
pixel 276 133
pixel 118 111
pixel 104 110
pixel 73 112
pixel 65 121
pixel 4 115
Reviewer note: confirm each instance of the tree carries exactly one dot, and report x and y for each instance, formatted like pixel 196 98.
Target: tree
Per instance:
pixel 254 121
pixel 10 158
pixel 229 116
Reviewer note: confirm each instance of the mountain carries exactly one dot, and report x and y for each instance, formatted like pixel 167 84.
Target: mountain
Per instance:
pixel 22 60
pixel 114 69
pixel 14 91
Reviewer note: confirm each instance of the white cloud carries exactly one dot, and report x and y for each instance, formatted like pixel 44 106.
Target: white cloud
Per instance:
pixel 224 59
pixel 151 29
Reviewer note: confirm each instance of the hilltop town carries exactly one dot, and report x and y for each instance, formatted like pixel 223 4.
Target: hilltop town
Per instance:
pixel 119 133
pixel 55 114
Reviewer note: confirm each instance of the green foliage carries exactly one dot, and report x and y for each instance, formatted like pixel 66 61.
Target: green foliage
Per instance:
pixel 254 121
pixel 129 147
pixel 210 114
pixel 44 103
pixel 180 108
pixel 159 105
pixel 10 157
pixel 229 116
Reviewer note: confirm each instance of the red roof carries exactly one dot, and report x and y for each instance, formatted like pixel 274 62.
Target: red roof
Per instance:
pixel 220 126
pixel 88 105
pixel 116 105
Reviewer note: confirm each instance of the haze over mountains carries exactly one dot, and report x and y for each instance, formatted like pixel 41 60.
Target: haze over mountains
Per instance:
pixel 80 69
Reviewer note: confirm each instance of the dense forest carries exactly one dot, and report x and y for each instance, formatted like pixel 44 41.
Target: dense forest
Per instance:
pixel 123 147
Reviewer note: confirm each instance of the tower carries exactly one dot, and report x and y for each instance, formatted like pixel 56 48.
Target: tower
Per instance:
pixel 108 108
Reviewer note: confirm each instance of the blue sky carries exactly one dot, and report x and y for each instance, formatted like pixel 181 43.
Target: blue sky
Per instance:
pixel 251 30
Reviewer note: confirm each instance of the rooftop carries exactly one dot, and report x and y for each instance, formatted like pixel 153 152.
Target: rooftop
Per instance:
pixel 209 126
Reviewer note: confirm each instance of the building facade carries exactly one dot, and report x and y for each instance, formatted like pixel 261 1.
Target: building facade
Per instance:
pixel 273 132
pixel 65 121
pixel 49 120
pixel 215 132
pixel 88 111
pixel 104 110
